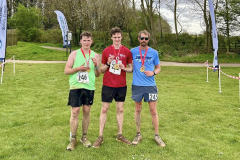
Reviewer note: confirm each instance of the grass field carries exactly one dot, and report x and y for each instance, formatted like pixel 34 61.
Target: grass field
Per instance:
pixel 195 121
pixel 34 51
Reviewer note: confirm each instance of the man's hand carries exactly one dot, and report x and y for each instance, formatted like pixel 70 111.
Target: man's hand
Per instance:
pixel 94 60
pixel 122 67
pixel 83 68
pixel 110 59
pixel 149 73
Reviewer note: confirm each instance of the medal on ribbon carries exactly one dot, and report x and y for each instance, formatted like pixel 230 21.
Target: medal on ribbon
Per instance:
pixel 88 64
pixel 142 69
pixel 87 60
pixel 116 66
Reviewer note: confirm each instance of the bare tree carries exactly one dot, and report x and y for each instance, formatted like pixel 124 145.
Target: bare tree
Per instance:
pixel 148 13
pixel 135 15
pixel 200 7
pixel 174 7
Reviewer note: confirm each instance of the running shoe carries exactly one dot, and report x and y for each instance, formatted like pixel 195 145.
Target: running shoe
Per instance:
pixel 122 139
pixel 98 142
pixel 137 139
pixel 72 144
pixel 85 141
pixel 159 141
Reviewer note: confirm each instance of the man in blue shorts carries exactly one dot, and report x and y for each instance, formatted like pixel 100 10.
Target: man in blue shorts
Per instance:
pixel 146 65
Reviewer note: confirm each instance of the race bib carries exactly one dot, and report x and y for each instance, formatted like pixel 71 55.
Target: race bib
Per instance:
pixel 82 77
pixel 153 97
pixel 114 67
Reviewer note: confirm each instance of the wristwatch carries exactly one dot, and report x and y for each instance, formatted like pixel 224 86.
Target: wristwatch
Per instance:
pixel 108 64
pixel 154 73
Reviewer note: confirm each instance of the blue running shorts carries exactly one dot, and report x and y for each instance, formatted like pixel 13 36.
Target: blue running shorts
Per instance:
pixel 149 93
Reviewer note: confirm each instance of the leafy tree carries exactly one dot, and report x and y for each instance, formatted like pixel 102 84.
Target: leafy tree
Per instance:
pixel 28 21
pixel 228 17
pixel 235 5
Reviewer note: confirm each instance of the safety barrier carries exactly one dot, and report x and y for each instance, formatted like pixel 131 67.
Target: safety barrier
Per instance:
pixel 219 70
pixel 5 63
pixel 206 64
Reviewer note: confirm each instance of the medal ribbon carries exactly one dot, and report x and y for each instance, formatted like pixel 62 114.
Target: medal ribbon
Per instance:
pixel 143 59
pixel 116 54
pixel 85 56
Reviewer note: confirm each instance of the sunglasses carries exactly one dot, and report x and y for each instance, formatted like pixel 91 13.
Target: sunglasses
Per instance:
pixel 142 38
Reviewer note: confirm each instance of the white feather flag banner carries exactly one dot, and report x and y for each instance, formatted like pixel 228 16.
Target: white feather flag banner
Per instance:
pixel 214 34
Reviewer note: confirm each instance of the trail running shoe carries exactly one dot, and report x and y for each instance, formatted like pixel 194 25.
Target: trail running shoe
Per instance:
pixel 85 141
pixel 159 141
pixel 98 142
pixel 72 144
pixel 137 139
pixel 121 138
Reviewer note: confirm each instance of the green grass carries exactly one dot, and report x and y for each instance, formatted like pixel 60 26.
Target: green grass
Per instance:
pixel 34 51
pixel 195 121
pixel 200 58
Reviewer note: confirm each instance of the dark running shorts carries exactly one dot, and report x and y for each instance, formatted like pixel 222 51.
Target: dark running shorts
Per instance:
pixel 150 93
pixel 79 97
pixel 108 93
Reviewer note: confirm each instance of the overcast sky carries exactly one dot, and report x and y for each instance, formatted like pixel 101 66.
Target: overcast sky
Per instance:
pixel 189 21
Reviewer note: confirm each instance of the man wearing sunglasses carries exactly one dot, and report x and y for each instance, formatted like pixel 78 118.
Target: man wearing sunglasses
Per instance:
pixel 146 65
pixel 115 60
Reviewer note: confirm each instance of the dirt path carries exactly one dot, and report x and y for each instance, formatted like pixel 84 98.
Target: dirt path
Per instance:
pixel 163 63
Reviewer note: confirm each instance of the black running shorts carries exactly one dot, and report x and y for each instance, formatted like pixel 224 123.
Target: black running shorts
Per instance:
pixel 108 93
pixel 79 97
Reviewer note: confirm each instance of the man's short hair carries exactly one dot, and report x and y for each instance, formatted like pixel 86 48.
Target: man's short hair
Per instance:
pixel 86 34
pixel 115 30
pixel 144 32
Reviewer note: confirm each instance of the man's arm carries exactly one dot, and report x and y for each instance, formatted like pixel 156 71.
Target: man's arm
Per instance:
pixel 129 70
pixel 151 73
pixel 104 67
pixel 157 69
pixel 68 68
pixel 97 69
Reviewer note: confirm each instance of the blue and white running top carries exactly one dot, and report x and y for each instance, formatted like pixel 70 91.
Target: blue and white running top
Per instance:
pixel 139 78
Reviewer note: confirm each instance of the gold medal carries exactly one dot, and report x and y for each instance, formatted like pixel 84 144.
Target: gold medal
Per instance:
pixel 88 70
pixel 116 66
pixel 142 69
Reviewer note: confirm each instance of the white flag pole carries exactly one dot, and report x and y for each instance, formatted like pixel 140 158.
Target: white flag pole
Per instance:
pixel 13 64
pixel 207 72
pixel 219 80
pixel 2 75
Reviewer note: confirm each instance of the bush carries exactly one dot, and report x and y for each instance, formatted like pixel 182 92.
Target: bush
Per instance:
pixel 98 46
pixel 51 36
pixel 28 22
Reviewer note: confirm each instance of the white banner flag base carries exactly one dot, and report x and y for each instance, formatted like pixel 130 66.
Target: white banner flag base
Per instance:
pixel 13 64
pixel 3 66
pixel 219 80
pixel 2 75
pixel 207 72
